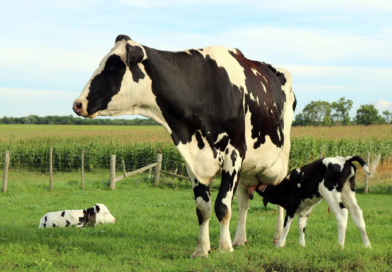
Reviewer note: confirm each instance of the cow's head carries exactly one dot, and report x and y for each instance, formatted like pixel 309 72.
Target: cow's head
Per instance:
pixel 118 85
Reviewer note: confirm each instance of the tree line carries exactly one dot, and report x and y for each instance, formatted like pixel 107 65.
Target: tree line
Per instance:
pixel 70 120
pixel 323 113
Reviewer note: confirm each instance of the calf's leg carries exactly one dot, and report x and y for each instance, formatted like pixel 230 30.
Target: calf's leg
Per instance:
pixel 302 223
pixel 287 224
pixel 350 201
pixel 334 200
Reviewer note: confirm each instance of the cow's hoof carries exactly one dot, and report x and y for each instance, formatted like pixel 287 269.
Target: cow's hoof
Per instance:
pixel 240 243
pixel 275 241
pixel 200 253
pixel 280 244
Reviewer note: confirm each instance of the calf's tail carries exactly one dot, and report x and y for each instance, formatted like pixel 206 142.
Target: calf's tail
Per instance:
pixel 358 159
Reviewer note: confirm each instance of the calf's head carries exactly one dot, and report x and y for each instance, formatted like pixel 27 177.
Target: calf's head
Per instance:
pixel 103 215
pixel 118 85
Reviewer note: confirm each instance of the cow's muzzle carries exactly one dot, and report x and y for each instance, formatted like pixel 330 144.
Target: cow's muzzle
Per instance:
pixel 80 107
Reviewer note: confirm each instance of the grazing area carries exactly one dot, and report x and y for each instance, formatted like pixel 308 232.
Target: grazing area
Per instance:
pixel 156 226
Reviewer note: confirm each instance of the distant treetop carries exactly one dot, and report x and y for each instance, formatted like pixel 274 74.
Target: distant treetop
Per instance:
pixel 70 120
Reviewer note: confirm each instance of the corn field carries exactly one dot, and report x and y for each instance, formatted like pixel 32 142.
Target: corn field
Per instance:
pixel 34 151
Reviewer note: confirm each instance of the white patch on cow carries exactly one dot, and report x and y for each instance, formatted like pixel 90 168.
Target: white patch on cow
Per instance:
pixel 272 111
pixel 201 161
pixel 299 185
pixel 224 59
pixel 265 89
pixel 255 72
pixel 220 137
pixel 298 170
pixel 335 160
pixel 278 132
pixel 187 51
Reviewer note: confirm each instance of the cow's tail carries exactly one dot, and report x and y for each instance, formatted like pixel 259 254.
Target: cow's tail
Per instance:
pixel 363 164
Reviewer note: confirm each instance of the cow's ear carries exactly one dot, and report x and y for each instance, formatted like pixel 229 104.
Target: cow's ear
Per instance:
pixel 134 54
pixel 97 208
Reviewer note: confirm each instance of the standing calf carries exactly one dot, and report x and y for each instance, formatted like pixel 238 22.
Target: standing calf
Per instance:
pixel 79 218
pixel 332 179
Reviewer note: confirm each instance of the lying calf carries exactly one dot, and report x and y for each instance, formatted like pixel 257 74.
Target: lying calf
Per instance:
pixel 79 218
pixel 332 179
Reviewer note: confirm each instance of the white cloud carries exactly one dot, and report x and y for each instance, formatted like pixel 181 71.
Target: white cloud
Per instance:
pixel 383 105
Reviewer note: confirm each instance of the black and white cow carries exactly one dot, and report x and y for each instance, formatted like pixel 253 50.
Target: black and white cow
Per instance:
pixel 79 218
pixel 223 111
pixel 332 179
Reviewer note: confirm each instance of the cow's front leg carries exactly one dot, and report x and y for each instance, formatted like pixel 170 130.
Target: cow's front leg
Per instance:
pixel 279 224
pixel 230 175
pixel 203 212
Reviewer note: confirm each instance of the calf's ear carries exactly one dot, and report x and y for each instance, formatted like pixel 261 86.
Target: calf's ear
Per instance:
pixel 265 201
pixel 134 54
pixel 97 208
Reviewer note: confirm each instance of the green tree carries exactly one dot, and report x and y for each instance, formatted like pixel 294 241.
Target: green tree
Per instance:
pixel 342 108
pixel 299 120
pixel 387 116
pixel 316 112
pixel 367 115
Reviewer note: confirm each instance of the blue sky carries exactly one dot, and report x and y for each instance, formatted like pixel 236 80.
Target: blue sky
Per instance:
pixel 335 48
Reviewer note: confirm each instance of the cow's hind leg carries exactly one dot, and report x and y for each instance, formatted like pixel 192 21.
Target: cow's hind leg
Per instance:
pixel 203 212
pixel 243 204
pixel 350 201
pixel 230 175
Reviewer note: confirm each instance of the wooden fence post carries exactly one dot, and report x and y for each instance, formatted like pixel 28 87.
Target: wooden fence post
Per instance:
pixel 82 168
pixel 365 189
pixel 112 172
pixel 125 172
pixel 321 154
pixel 149 173
pixel 51 169
pixel 158 169
pixel 5 170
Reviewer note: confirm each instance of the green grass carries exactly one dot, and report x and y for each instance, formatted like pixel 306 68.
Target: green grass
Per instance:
pixel 157 228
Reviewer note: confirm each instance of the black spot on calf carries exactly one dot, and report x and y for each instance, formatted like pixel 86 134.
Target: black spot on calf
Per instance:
pixel 63 214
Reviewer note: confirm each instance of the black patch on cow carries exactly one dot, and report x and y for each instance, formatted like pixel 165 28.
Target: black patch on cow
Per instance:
pixel 97 208
pixel 106 84
pixel 264 122
pixel 222 144
pixel 68 224
pixel 122 37
pixel 199 139
pixel 233 157
pixel 221 210
pixel 44 225
pixel 194 93
pixel 46 219
pixel 54 225
pixel 63 214
pixel 134 56
pixel 294 103
pixel 89 217
pixel 201 190
pixel 303 230
pixel 341 205
pixel 227 184
pixel 199 216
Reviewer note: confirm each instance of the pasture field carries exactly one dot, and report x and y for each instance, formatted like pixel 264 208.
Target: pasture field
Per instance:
pixel 157 227
pixel 29 145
